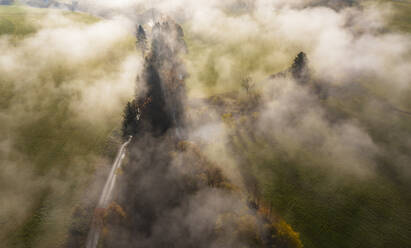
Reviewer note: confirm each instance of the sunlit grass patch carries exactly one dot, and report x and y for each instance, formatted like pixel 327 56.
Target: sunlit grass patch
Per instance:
pixel 47 98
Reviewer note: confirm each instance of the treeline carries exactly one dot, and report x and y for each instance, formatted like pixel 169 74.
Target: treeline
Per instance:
pixel 176 172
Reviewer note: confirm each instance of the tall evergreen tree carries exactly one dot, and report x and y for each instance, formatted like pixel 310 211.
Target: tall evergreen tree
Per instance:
pixel 299 69
pixel 130 120
pixel 141 39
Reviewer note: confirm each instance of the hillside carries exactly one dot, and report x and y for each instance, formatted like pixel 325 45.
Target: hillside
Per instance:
pixel 236 123
pixel 329 200
pixel 401 15
pixel 56 128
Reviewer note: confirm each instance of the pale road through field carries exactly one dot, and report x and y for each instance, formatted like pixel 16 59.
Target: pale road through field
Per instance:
pixel 95 229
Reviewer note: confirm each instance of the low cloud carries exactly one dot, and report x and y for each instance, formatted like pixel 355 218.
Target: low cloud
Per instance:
pixel 64 88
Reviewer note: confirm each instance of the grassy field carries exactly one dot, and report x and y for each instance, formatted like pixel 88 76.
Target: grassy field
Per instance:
pixel 50 153
pixel 218 66
pixel 20 20
pixel 327 207
pixel 402 16
pixel 312 190
pixel 50 149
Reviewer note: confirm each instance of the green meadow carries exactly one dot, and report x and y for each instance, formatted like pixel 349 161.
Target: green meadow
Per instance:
pixel 50 150
pixel 326 206
pixel 401 19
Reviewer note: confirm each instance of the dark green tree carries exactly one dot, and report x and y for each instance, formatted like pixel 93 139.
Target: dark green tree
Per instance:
pixel 130 119
pixel 141 39
pixel 299 69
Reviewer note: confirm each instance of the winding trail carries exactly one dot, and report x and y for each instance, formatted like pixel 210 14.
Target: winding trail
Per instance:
pixel 95 229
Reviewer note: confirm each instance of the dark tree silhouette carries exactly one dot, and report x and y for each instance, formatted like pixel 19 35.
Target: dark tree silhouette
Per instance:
pixel 247 84
pixel 130 119
pixel 299 69
pixel 73 5
pixel 156 112
pixel 141 39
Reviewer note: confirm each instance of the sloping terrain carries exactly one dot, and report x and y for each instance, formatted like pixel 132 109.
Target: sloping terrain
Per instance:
pixel 253 125
pixel 170 194
pixel 55 124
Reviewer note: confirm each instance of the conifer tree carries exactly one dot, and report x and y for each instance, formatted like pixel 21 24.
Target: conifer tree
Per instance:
pixel 299 69
pixel 141 39
pixel 130 119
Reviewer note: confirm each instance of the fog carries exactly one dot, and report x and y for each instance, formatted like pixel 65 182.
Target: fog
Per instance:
pixel 63 90
pixel 83 74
